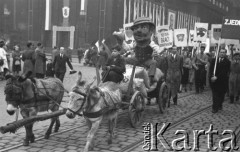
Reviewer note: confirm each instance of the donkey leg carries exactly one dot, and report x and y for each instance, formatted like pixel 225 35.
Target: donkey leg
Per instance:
pixel 112 124
pixel 31 136
pixel 91 134
pixel 57 125
pixel 49 131
pixel 26 140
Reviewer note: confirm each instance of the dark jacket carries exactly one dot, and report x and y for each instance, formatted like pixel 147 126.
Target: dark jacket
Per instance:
pixel 119 63
pixel 28 57
pixel 222 74
pixel 40 61
pixel 59 63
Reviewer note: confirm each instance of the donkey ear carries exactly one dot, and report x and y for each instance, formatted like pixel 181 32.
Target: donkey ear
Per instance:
pixel 23 77
pixel 7 73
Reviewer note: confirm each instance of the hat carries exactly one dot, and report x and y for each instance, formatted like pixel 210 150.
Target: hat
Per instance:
pixel 142 20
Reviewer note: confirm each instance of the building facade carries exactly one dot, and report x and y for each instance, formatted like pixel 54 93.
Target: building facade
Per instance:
pixel 75 23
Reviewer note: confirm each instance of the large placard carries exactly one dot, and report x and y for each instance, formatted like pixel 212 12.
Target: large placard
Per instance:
pixel 180 37
pixel 165 36
pixel 201 31
pixel 231 28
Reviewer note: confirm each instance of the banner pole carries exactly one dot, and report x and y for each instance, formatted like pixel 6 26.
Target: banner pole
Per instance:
pixel 216 59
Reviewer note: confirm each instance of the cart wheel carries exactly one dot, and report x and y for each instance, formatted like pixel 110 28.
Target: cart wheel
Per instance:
pixel 136 109
pixel 163 98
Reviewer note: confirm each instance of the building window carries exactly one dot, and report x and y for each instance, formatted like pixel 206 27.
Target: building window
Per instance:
pixel 220 5
pixel 227 8
pixel 213 2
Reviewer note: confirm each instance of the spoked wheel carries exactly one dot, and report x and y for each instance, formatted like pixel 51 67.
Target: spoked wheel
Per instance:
pixel 136 109
pixel 163 98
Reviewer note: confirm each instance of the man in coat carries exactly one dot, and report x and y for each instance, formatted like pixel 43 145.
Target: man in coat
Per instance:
pixel 219 81
pixel 28 58
pixel 234 78
pixel 40 61
pixel 115 67
pixel 199 63
pixel 174 73
pixel 59 64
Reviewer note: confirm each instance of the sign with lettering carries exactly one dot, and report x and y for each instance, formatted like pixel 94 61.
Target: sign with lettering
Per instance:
pixel 215 33
pixel 231 28
pixel 65 11
pixel 180 37
pixel 201 32
pixel 165 36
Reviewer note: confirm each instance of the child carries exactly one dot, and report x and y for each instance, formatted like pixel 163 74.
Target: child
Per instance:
pixel 49 72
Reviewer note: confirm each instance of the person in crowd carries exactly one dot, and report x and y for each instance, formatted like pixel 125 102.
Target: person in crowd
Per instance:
pixel 55 52
pixel 199 63
pixel 114 69
pixel 28 58
pixel 40 61
pixel 16 55
pixel 162 62
pixel 49 71
pixel 174 73
pixel 219 81
pixel 191 71
pixel 234 78
pixel 3 59
pixel 59 64
pixel 187 65
pixel 80 53
pixel 143 28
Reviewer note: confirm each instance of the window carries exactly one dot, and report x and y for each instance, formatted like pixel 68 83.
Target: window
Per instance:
pixel 213 2
pixel 220 5
pixel 227 8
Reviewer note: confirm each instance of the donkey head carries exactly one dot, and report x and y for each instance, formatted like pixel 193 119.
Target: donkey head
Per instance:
pixel 14 90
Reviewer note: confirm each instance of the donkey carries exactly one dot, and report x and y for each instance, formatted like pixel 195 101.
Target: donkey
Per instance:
pixel 33 96
pixel 97 103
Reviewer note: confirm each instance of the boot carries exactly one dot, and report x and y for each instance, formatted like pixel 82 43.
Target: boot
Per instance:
pixel 175 100
pixel 231 99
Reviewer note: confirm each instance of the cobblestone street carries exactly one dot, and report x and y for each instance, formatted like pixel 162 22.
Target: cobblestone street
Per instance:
pixel 193 112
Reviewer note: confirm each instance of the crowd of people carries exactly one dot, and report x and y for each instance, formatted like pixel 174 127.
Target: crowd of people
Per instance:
pixel 34 59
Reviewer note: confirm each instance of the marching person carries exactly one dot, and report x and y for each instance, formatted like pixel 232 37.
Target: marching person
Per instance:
pixel 234 78
pixel 143 28
pixel 219 81
pixel 28 58
pixel 187 65
pixel 199 63
pixel 114 69
pixel 3 59
pixel 174 73
pixel 59 64
pixel 16 55
pixel 40 61
pixel 55 52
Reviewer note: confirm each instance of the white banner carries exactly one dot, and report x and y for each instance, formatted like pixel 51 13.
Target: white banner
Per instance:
pixel 191 38
pixel 180 37
pixel 201 30
pixel 215 33
pixel 165 36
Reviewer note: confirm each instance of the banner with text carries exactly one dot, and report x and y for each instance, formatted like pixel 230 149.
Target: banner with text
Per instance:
pixel 180 37
pixel 231 28
pixel 165 36
pixel 201 32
